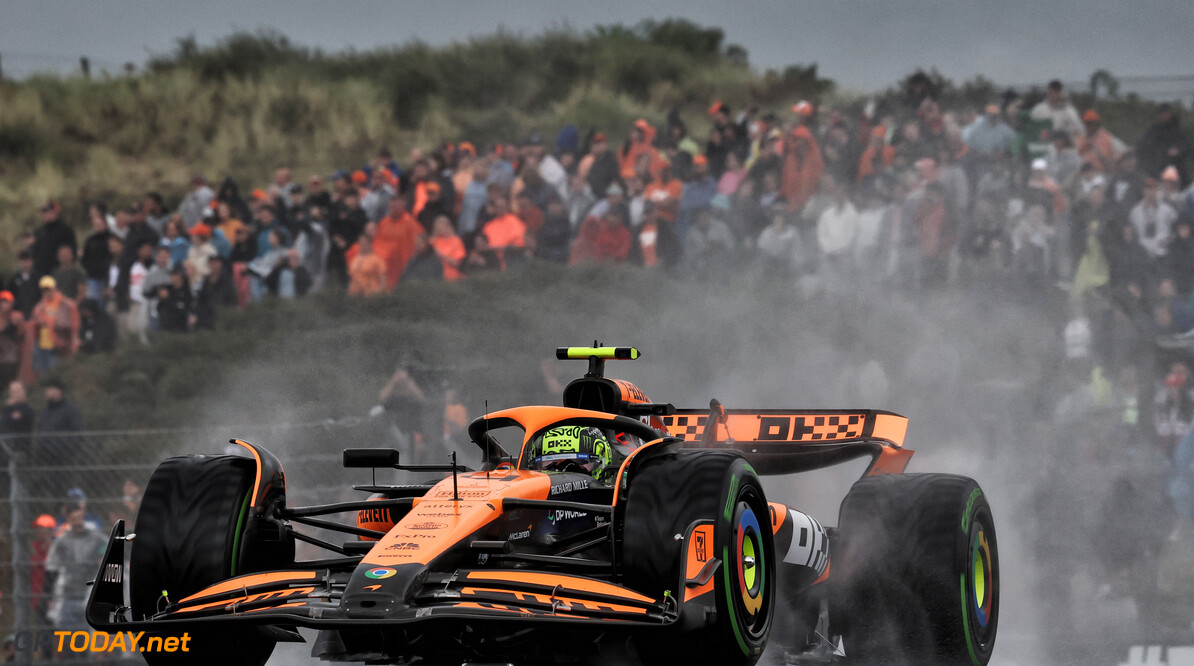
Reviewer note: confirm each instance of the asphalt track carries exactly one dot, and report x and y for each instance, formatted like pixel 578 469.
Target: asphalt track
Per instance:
pixel 1053 613
pixel 1016 649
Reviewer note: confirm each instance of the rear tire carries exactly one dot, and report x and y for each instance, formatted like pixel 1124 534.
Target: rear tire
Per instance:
pixel 667 493
pixel 193 531
pixel 914 573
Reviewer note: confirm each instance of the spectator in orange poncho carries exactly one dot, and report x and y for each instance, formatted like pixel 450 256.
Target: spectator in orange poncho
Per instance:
pixel 604 239
pixel 530 214
pixel 664 194
pixel 366 271
pixel 395 239
pixel 1096 146
pixel 448 246
pixel 802 168
pixel 878 155
pixel 420 173
pixel 935 234
pixel 641 142
pixel 436 204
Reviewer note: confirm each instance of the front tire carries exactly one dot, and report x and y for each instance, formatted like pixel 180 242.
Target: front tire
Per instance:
pixel 193 531
pixel 915 571
pixel 667 493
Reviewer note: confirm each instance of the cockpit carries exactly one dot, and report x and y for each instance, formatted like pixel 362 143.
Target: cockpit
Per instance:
pixel 560 439
pixel 596 451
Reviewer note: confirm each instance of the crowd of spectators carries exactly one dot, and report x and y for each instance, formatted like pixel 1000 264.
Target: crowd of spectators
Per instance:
pixel 916 198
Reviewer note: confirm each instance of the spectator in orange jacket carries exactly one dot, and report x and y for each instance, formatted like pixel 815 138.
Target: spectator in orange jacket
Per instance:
pixel 878 155
pixel 449 247
pixel 55 324
pixel 367 271
pixel 802 168
pixel 395 239
pixel 935 234
pixel 505 229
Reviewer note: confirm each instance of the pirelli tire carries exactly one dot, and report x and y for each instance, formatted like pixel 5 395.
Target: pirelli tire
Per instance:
pixel 666 494
pixel 914 574
pixel 194 529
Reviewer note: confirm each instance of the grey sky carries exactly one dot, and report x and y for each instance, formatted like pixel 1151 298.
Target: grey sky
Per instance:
pixel 862 45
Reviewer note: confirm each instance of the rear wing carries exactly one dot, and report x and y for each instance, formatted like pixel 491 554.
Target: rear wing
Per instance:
pixel 785 441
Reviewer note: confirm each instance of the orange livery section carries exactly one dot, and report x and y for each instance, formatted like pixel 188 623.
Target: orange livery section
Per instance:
pixel 250 580
pixel 565 582
pixel 447 514
pixel 788 441
pixel 789 426
pixel 696 562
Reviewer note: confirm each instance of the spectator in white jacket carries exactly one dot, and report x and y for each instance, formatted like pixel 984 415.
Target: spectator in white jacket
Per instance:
pixel 1153 219
pixel 1058 109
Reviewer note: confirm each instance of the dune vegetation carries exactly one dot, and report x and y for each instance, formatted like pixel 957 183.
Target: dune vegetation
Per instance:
pixel 255 101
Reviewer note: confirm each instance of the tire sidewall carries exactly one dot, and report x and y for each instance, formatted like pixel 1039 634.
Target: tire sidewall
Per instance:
pixel 977 567
pixel 742 486
pixel 903 575
pixel 668 493
pixel 194 531
pixel 160 522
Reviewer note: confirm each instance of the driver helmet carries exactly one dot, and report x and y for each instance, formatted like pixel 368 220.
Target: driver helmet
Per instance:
pixel 586 446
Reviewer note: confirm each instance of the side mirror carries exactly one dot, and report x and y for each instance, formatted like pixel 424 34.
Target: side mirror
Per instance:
pixel 370 457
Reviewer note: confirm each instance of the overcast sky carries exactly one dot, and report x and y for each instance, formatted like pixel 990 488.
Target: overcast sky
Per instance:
pixel 862 45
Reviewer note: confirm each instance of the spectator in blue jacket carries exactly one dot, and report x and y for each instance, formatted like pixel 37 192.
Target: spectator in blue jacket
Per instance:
pixel 697 194
pixel 988 135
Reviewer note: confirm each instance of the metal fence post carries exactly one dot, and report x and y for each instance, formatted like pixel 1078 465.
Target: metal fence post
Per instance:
pixel 20 551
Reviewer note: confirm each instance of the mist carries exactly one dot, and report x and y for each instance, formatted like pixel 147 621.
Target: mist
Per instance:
pixel 975 368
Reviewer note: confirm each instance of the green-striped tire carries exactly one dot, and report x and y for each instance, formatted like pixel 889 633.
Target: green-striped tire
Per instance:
pixel 914 574
pixel 193 531
pixel 666 494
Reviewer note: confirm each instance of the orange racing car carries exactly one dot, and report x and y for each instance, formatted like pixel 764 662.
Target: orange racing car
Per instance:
pixel 609 521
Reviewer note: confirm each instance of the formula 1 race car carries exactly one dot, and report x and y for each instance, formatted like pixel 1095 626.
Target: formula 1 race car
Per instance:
pixel 610 523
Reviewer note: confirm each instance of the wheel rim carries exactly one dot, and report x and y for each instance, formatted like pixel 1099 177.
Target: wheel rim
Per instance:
pixel 980 586
pixel 749 595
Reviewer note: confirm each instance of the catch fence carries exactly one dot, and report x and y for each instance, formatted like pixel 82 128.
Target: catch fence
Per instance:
pixel 42 474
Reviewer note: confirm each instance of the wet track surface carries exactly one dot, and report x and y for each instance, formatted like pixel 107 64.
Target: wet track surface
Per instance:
pixel 1055 609
pixel 981 401
pixel 1013 649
